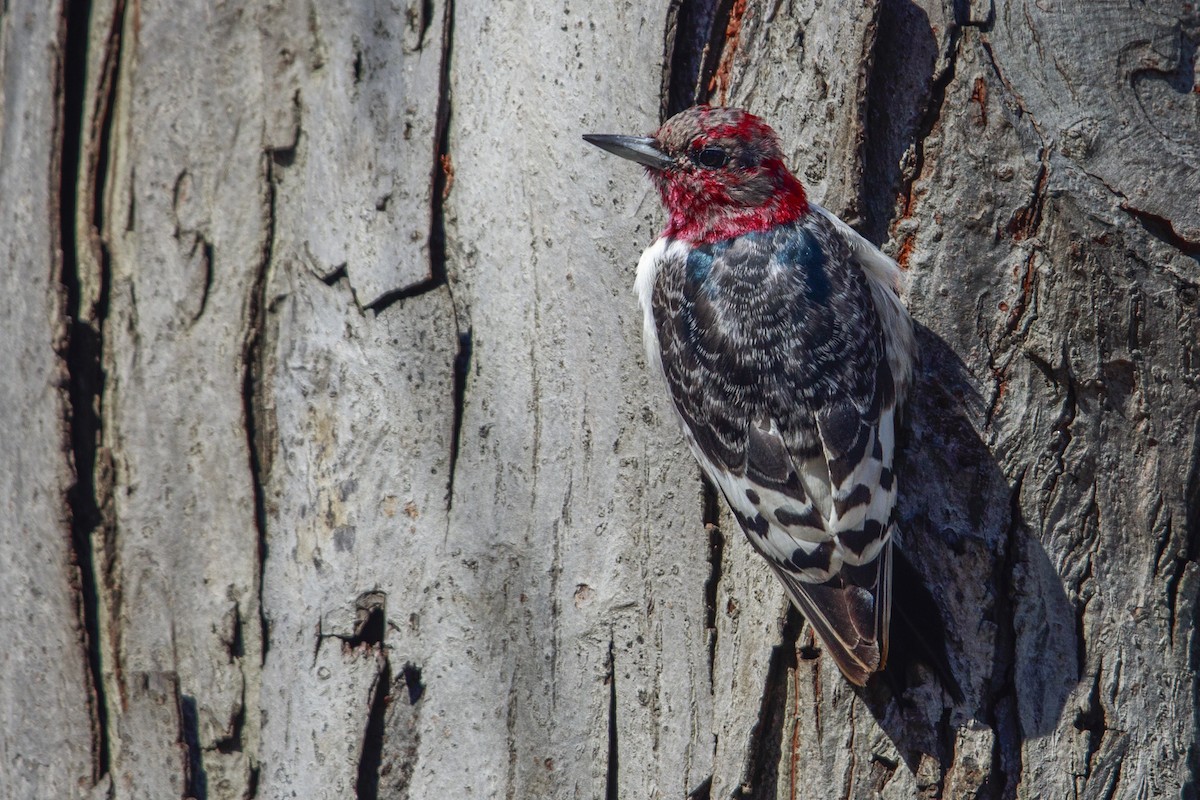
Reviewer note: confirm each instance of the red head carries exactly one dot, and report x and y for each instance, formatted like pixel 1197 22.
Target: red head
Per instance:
pixel 720 173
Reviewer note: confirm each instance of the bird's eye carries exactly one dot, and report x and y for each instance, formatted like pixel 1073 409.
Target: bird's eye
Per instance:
pixel 712 157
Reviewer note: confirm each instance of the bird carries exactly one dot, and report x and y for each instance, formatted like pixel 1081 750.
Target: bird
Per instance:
pixel 786 350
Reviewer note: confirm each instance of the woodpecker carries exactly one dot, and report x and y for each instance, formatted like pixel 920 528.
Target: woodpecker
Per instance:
pixel 786 351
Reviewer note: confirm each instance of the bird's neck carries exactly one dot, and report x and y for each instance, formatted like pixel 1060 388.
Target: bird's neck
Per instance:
pixel 712 214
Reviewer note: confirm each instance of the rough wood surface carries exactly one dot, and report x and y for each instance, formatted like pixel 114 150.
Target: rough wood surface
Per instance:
pixel 333 468
pixel 47 746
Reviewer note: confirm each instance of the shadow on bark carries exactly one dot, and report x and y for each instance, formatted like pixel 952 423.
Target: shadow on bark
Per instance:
pixel 985 601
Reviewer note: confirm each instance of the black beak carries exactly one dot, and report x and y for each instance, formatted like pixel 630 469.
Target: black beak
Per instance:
pixel 642 149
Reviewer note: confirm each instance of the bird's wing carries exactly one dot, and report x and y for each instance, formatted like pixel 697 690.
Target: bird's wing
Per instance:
pixel 851 619
pixel 774 357
pixel 887 282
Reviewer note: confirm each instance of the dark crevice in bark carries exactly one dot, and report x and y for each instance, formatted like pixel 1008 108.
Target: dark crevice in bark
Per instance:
pixel 711 519
pixel 849 775
pixel 237 725
pixel 882 770
pixel 366 786
pixel 703 791
pixel 253 402
pixel 392 740
pixel 766 739
pixel 1092 721
pixel 371 625
pixel 286 156
pixel 1162 229
pixel 389 299
pixel 726 39
pixel 88 497
pixel 918 631
pixel 1021 110
pixel 899 83
pixel 1182 78
pixel 370 629
pixel 1116 779
pixel 252 782
pixel 695 39
pixel 1005 720
pixel 1190 551
pixel 206 258
pixel 412 682
pixel 611 785
pixel 196 779
pixel 1104 765
pixel 443 181
pixel 236 646
pixel 1165 529
pixel 462 368
pixel 440 179
pixel 1157 226
pixel 1026 221
pixel 334 277
pixel 929 119
pixel 933 110
pixel 426 21
pixel 946 748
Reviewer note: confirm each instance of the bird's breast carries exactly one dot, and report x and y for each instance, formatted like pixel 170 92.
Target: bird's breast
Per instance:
pixel 662 252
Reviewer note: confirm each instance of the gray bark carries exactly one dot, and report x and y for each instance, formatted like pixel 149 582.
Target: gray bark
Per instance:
pixel 47 739
pixel 332 465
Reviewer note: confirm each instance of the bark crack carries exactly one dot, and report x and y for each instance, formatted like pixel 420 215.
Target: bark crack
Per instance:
pixel 1025 223
pixel 929 121
pixel 1093 721
pixel 1159 227
pixel 1190 550
pixel 611 782
pixel 441 181
pixel 722 76
pixel 1018 100
pixel 83 179
pixel 763 751
pixel 1004 713
pixel 195 776
pixel 462 369
pixel 695 39
pixel 366 786
pixel 253 401
pixel 711 519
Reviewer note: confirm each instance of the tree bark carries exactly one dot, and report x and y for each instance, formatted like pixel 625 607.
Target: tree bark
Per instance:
pixel 333 466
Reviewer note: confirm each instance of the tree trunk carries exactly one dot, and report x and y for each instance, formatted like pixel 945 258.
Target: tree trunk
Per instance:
pixel 333 466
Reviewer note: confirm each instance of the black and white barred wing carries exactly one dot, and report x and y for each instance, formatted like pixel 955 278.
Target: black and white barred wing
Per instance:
pixel 845 494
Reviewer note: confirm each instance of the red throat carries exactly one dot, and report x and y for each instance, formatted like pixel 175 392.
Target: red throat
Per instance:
pixel 703 212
